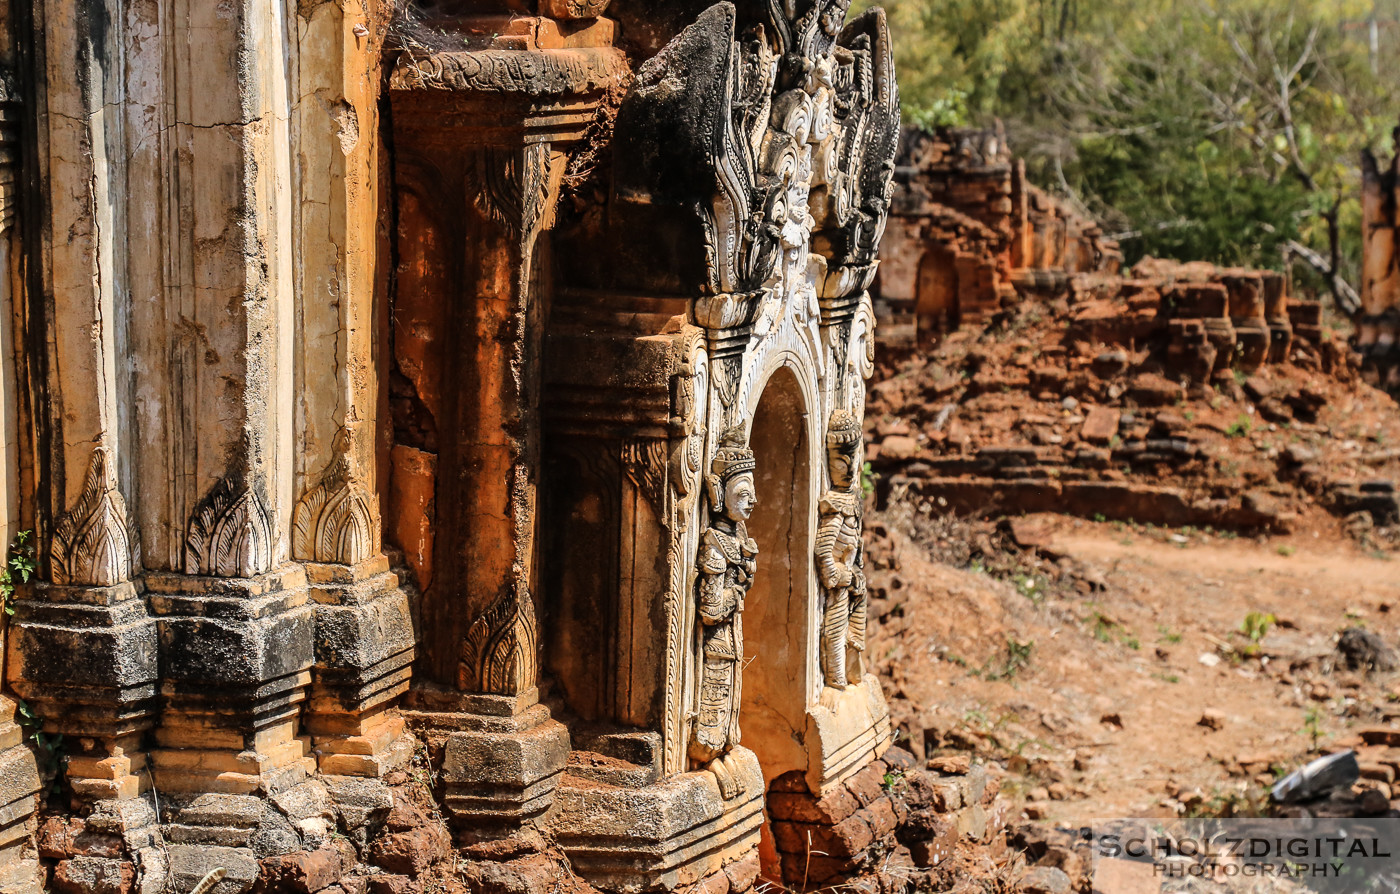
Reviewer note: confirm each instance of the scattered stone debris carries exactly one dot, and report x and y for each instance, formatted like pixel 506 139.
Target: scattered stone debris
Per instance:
pixel 1049 417
pixel 1361 649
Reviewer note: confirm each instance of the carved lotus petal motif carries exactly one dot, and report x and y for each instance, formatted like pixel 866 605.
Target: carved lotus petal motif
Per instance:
pixel 336 522
pixel 500 652
pixel 91 544
pixel 229 535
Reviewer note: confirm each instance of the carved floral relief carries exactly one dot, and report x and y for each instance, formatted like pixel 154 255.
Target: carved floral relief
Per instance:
pixel 91 543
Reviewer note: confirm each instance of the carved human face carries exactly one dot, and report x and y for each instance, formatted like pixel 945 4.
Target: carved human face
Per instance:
pixel 740 497
pixel 842 462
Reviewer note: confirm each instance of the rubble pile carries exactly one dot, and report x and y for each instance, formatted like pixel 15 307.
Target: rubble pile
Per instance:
pixel 1184 395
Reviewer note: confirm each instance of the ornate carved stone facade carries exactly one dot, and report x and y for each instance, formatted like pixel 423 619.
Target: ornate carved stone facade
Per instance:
pixel 480 376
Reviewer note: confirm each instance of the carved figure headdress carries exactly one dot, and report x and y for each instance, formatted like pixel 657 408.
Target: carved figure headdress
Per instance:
pixel 843 431
pixel 733 458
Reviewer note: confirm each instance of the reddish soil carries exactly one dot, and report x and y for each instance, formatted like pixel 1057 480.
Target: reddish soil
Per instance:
pixel 1094 702
pixel 1109 666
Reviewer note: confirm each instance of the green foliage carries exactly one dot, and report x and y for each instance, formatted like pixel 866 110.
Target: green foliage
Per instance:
pixel 1255 627
pixel 1312 725
pixel 867 480
pixel 1217 130
pixel 20 566
pixel 1241 427
pixel 48 747
pixel 1018 656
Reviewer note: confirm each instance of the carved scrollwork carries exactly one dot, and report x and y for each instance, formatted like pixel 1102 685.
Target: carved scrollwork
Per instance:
pixel 644 461
pixel 92 545
pixel 337 521
pixel 500 652
pixel 229 534
pixel 544 73
pixel 781 138
pixel 867 127
pixel 574 9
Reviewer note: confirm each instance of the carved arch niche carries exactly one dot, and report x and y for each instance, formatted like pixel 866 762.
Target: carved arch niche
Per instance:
pixel 936 290
pixel 780 612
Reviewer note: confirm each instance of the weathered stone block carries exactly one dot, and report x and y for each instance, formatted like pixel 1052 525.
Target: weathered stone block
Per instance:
pixel 94 875
pixel 190 863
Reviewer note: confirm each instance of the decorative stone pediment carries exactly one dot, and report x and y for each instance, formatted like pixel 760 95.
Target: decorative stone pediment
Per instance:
pixel 777 128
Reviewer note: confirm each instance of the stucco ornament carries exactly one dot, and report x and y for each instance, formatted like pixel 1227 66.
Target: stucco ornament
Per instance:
pixel 726 566
pixel 839 555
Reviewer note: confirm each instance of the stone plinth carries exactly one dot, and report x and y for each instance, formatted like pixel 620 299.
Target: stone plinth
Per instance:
pixel 847 731
pixel 662 836
pixel 501 757
pixel 364 657
pixel 235 657
pixel 85 658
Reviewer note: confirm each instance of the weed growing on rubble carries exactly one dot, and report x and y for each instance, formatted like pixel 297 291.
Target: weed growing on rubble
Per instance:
pixel 20 566
pixel 1018 656
pixel 1312 726
pixel 1255 627
pixel 1241 427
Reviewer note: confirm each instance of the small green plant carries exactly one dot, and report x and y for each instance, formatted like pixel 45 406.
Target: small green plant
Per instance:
pixel 1286 550
pixel 1241 427
pixel 1312 725
pixel 1255 627
pixel 1167 635
pixel 20 566
pixel 1018 656
pixel 1100 517
pixel 1032 586
pixel 49 746
pixel 1106 630
pixel 892 780
pixel 867 480
pixel 1102 628
pixel 1167 678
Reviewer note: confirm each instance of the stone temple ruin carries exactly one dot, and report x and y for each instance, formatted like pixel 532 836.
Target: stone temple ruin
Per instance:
pixel 480 379
pixel 1378 323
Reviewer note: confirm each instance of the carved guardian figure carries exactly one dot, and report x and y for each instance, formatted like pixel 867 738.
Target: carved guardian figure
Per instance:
pixel 838 552
pixel 726 565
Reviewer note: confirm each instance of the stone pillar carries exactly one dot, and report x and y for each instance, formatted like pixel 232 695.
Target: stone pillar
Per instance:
pixel 83 649
pixel 482 136
pixel 364 634
pixel 19 770
pixel 235 620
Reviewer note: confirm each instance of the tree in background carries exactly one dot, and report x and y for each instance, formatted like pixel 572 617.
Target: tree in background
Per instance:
pixel 1220 130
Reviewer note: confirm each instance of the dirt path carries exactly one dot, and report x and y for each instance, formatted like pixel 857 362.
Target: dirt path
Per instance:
pixel 1095 701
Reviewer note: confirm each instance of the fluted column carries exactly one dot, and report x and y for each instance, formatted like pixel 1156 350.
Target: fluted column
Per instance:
pixel 217 379
pixel 364 634
pixel 83 650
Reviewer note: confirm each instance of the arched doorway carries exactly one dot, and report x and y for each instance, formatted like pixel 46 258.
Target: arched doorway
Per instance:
pixel 936 295
pixel 779 626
